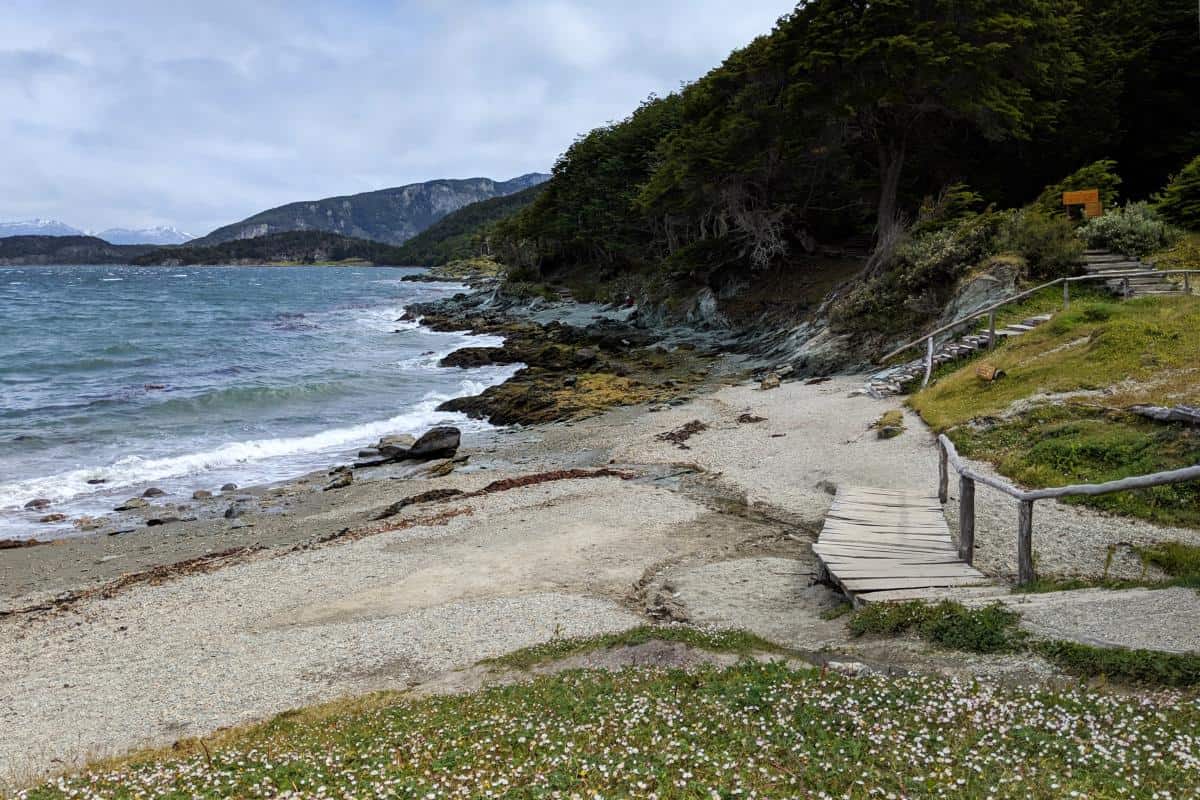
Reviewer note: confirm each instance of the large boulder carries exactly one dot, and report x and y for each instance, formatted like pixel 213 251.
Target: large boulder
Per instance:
pixel 436 443
pixel 439 442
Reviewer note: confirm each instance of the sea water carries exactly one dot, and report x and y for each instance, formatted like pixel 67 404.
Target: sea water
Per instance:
pixel 115 379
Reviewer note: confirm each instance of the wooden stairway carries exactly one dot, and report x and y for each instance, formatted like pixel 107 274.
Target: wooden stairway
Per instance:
pixel 902 379
pixel 1146 280
pixel 888 544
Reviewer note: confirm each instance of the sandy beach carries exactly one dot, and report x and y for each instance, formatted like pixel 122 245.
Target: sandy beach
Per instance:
pixel 714 530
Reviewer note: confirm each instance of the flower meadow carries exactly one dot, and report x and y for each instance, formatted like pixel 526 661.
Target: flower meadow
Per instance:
pixel 753 730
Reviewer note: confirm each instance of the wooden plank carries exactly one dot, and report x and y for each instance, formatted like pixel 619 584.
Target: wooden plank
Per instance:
pixel 878 584
pixel 867 535
pixel 883 567
pixel 850 560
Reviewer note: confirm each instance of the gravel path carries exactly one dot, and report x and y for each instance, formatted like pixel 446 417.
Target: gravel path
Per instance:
pixel 1154 619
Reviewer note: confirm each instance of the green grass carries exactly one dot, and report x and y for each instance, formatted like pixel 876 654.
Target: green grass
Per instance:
pixel 1138 666
pixel 751 730
pixel 1141 351
pixel 1057 445
pixel 991 629
pixel 1094 345
pixel 727 641
pixel 995 629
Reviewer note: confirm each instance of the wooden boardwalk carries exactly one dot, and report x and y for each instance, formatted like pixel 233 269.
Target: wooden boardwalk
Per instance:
pixel 886 544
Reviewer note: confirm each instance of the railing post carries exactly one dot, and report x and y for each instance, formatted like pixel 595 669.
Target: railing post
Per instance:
pixel 991 330
pixel 1025 543
pixel 928 362
pixel 1187 285
pixel 1124 288
pixel 1066 294
pixel 966 519
pixel 943 473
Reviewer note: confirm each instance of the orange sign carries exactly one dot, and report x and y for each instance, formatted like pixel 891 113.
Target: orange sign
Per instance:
pixel 1088 198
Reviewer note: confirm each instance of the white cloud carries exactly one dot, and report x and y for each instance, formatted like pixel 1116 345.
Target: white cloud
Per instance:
pixel 197 114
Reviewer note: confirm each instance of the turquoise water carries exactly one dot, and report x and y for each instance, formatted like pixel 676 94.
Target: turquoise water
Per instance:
pixel 186 378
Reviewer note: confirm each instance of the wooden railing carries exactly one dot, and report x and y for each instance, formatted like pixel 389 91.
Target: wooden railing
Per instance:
pixel 948 457
pixel 990 311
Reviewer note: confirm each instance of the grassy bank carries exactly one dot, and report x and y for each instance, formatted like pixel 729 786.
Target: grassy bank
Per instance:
pixel 753 730
pixel 1061 414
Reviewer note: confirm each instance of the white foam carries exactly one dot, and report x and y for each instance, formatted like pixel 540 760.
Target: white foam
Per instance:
pixel 135 470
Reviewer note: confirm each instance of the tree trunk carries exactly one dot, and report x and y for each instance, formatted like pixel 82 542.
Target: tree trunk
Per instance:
pixel 887 216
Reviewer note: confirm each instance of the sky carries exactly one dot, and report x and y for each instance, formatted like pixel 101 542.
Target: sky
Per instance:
pixel 136 113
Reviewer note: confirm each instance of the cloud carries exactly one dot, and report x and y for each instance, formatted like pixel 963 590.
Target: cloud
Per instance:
pixel 197 114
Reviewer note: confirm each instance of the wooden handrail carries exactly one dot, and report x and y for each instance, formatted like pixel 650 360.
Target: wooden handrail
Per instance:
pixel 1056 282
pixel 949 457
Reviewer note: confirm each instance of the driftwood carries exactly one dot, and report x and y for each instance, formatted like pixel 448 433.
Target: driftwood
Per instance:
pixel 1188 414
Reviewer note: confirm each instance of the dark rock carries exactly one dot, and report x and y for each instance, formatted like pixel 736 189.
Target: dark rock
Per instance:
pixel 238 507
pixel 470 357
pixel 439 442
pixel 96 481
pixel 155 522
pixel 153 491
pixel 229 487
pixel 38 504
pixel 585 356
pixel 368 452
pixel 52 518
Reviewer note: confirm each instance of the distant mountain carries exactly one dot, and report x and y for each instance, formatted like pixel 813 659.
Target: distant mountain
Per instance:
pixel 292 247
pixel 159 235
pixel 38 227
pixel 464 233
pixel 392 216
pixel 25 250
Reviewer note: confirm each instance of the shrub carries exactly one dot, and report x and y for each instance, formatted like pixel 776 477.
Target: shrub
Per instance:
pixel 1100 175
pixel 1179 203
pixel 1046 242
pixel 992 629
pixel 1135 230
pixel 953 204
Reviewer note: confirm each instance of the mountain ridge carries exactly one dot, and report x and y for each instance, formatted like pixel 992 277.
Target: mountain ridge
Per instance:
pixel 390 216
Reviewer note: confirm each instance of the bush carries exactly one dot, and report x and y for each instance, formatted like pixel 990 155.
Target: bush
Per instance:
pixel 1100 175
pixel 1179 203
pixel 1046 242
pixel 1135 230
pixel 992 629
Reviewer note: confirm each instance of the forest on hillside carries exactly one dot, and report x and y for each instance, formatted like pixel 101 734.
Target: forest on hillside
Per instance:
pixel 880 119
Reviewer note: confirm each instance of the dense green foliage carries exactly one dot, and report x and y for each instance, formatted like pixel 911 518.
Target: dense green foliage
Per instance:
pixel 849 118
pixel 465 233
pixel 17 250
pixel 296 247
pixel 392 216
pixel 1135 230
pixel 1101 175
pixel 1180 201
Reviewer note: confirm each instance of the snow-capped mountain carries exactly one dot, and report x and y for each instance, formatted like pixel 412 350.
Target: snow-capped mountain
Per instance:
pixel 159 235
pixel 38 227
